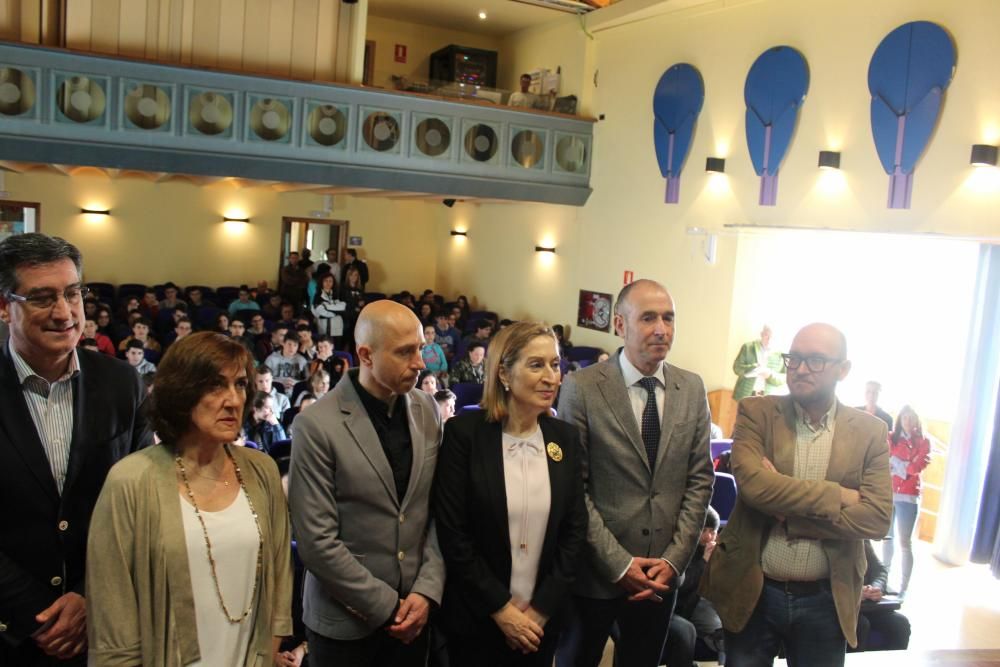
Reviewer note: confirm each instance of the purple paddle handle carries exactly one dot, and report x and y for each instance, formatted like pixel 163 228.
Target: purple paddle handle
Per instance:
pixel 673 189
pixel 900 184
pixel 768 189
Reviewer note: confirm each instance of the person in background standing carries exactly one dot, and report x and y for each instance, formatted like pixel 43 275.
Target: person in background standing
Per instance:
pixel 758 367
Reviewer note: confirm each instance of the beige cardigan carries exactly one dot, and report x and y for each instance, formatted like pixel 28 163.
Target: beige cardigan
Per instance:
pixel 140 604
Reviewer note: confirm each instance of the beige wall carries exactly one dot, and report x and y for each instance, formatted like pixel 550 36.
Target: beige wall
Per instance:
pixel 420 41
pixel 626 225
pixel 174 230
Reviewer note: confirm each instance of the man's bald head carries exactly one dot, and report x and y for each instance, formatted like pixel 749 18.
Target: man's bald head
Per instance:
pixel 826 335
pixel 390 339
pixel 381 320
pixel 626 297
pixel 825 347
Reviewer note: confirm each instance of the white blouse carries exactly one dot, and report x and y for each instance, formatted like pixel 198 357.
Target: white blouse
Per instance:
pixel 529 497
pixel 234 547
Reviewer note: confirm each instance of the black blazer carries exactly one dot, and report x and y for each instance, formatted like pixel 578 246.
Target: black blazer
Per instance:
pixel 44 535
pixel 470 511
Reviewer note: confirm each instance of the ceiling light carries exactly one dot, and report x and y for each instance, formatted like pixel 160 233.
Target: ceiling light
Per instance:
pixel 482 14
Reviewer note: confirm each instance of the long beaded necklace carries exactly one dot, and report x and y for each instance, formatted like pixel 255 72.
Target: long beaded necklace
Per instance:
pixel 208 542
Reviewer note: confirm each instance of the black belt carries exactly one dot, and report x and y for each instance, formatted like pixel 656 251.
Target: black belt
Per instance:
pixel 799 587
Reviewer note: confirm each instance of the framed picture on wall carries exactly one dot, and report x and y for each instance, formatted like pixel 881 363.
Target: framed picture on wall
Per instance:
pixel 594 311
pixel 18 217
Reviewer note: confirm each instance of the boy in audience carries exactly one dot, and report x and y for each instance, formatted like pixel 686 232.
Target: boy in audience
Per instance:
pixel 256 328
pixel 472 368
pixel 150 305
pixel 196 299
pixel 324 358
pixel 287 316
pixel 243 302
pixel 267 346
pixel 265 383
pixel 140 332
pixel 307 348
pixel 182 328
pixel 480 335
pixel 102 342
pixel 272 309
pixel 237 331
pixel 170 299
pixel 288 366
pixel 135 356
pixel 446 403
pixel 448 337
pixel 89 344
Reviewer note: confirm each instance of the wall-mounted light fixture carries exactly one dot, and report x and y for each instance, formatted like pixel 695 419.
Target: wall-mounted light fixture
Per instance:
pixel 716 164
pixel 448 202
pixel 228 219
pixel 829 160
pixel 95 211
pixel 542 248
pixel 983 155
pixel 455 232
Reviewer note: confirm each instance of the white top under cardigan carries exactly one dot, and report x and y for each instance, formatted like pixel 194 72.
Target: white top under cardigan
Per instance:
pixel 234 538
pixel 529 498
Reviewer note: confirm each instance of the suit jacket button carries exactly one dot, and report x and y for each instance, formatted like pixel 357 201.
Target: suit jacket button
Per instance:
pixel 645 531
pixel 402 517
pixel 56 581
pixel 63 525
pixel 401 555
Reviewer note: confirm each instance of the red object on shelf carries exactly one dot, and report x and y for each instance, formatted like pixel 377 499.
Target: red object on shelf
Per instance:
pixel 400 53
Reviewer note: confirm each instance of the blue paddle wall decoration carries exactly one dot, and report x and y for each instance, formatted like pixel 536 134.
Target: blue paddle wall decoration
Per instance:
pixel 774 91
pixel 678 99
pixel 907 77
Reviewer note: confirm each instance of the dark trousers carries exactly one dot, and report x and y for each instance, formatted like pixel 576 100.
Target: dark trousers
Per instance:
pixel 806 625
pixel 376 650
pixel 29 655
pixel 490 650
pixel 642 631
pixel 883 631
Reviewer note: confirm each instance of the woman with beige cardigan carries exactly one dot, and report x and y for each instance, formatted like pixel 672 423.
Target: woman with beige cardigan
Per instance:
pixel 189 555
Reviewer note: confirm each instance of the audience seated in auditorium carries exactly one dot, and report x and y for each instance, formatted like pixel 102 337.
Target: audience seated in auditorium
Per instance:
pixel 481 334
pixel 472 368
pixel 446 404
pixel 694 616
pixel 243 301
pixel 446 335
pixel 182 329
pixel 427 382
pixel 881 627
pixel 425 313
pixel 150 305
pixel 222 323
pixel 287 317
pixel 329 309
pixel 267 345
pixel 196 299
pixel 257 327
pixel 170 299
pixel 319 384
pixel 238 332
pixel 272 309
pixel 140 332
pixel 307 348
pixel 85 343
pixel 130 305
pixel 263 426
pixel 288 366
pixel 265 383
pixel 434 357
pixel 90 306
pixel 135 355
pixel 102 342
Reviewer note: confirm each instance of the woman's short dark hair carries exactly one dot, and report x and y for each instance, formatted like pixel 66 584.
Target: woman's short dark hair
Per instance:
pixel 191 368
pixel 33 249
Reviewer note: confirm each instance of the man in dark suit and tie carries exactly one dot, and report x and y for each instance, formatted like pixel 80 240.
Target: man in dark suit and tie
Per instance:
pixel 363 459
pixel 66 416
pixel 644 426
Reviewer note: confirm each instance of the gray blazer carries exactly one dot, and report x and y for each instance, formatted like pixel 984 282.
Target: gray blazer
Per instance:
pixel 363 548
pixel 635 511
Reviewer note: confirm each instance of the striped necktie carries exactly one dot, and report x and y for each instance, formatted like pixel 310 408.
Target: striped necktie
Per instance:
pixel 650 420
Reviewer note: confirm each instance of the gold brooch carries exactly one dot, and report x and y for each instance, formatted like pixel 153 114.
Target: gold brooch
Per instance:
pixel 554 451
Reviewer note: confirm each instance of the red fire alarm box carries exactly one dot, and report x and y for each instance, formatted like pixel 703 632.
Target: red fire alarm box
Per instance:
pixel 400 53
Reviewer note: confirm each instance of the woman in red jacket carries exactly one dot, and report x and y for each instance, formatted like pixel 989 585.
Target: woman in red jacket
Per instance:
pixel 909 454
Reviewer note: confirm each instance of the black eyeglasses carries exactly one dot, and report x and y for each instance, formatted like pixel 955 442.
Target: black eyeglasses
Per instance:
pixel 814 362
pixel 44 299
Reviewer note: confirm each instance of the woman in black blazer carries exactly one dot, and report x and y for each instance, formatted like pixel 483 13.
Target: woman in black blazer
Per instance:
pixel 509 509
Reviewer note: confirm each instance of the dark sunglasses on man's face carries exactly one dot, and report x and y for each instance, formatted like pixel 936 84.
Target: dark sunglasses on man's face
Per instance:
pixel 816 363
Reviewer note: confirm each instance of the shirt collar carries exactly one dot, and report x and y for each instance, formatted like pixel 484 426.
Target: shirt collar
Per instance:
pixel 824 424
pixel 632 374
pixel 24 371
pixel 373 405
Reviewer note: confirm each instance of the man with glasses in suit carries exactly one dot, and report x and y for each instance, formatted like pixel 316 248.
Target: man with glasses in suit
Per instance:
pixel 66 416
pixel 813 483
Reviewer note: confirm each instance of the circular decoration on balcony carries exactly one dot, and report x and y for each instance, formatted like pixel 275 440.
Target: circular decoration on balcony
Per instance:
pixel 327 125
pixel 527 148
pixel 571 154
pixel 81 99
pixel 481 142
pixel 380 131
pixel 17 92
pixel 433 137
pixel 147 106
pixel 210 113
pixel 270 119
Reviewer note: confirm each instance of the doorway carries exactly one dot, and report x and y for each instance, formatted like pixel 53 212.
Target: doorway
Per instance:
pixel 316 234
